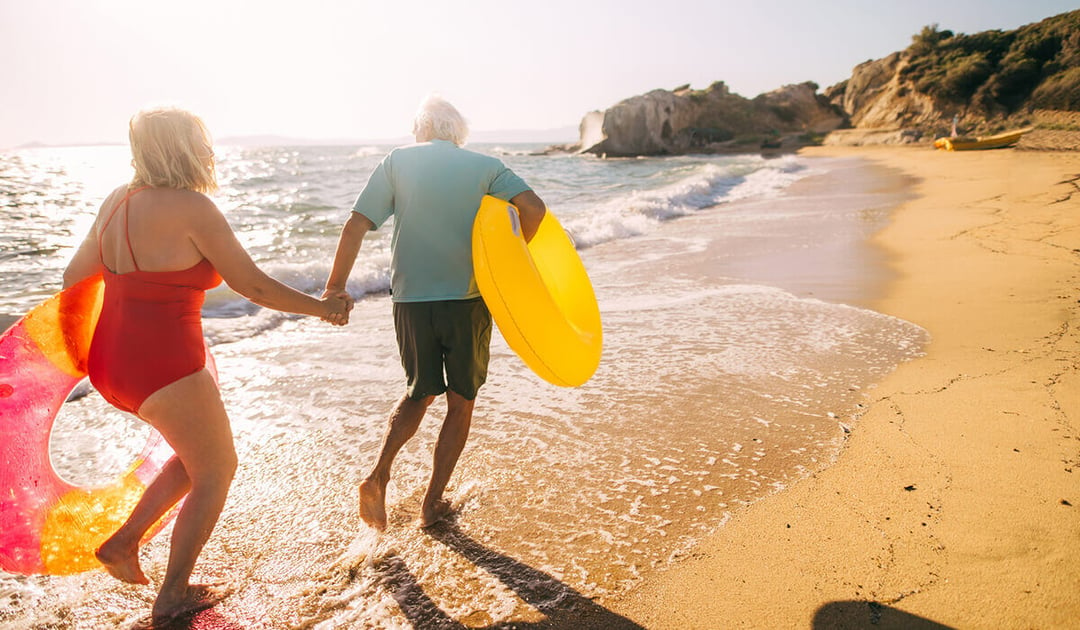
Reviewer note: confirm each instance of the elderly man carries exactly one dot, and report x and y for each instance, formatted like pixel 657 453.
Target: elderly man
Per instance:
pixel 432 189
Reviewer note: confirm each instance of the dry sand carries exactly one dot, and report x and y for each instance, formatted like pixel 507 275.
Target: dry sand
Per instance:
pixel 956 499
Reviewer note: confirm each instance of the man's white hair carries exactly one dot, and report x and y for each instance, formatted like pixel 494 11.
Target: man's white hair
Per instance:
pixel 437 119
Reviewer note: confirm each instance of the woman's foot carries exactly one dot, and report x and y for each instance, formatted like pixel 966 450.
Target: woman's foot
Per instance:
pixel 121 561
pixel 194 598
pixel 433 514
pixel 373 504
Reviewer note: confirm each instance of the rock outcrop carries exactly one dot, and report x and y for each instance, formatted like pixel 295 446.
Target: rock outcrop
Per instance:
pixel 984 83
pixel 877 97
pixel 665 122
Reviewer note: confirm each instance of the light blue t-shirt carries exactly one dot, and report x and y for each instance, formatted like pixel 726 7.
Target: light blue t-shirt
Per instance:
pixel 433 191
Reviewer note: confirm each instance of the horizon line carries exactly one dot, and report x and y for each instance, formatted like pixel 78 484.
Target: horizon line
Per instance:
pixel 565 133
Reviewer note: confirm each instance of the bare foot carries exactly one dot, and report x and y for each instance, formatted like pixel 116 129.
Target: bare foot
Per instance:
pixel 431 515
pixel 373 504
pixel 194 598
pixel 121 562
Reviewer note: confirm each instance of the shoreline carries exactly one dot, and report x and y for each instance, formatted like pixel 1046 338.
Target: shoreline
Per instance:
pixel 952 503
pixel 803 555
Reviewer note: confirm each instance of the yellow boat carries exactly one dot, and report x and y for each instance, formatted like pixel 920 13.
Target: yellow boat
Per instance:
pixel 962 143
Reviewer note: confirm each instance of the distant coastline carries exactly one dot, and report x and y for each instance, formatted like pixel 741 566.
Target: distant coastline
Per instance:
pixel 566 134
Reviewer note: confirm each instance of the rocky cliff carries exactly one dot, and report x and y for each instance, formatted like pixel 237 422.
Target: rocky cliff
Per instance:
pixel 985 82
pixel 710 120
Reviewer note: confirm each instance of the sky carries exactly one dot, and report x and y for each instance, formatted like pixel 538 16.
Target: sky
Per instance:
pixel 74 71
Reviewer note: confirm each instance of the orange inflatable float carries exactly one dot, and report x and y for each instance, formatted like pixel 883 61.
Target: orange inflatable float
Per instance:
pixel 48 525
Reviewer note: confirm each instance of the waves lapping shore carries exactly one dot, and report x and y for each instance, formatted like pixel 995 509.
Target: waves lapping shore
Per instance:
pixel 738 348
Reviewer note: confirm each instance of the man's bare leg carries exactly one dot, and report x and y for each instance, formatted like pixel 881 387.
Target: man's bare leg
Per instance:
pixel 452 437
pixel 404 421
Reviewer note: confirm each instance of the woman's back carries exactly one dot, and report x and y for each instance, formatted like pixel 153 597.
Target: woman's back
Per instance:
pixel 149 230
pixel 149 333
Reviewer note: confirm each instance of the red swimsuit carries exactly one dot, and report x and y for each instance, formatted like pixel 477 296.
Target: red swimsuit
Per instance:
pixel 150 331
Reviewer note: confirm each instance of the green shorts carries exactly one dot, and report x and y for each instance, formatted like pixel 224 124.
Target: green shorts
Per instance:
pixel 454 335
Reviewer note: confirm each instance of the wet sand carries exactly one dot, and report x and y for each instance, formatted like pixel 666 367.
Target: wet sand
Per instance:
pixel 954 500
pixel 974 440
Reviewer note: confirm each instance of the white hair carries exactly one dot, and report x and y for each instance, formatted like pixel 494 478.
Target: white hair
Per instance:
pixel 437 119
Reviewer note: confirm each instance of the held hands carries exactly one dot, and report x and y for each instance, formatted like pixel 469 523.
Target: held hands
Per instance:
pixel 338 304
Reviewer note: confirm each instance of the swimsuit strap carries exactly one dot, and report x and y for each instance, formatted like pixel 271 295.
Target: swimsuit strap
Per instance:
pixel 127 233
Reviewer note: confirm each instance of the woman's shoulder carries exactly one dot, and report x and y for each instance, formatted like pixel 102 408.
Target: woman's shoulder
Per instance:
pixel 179 208
pixel 161 195
pixel 182 194
pixel 115 196
pixel 182 199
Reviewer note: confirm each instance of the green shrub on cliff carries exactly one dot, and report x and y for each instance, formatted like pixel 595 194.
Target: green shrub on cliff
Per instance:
pixel 1061 91
pixel 927 40
pixel 999 71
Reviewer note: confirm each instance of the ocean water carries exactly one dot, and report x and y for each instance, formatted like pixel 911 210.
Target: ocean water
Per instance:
pixel 739 350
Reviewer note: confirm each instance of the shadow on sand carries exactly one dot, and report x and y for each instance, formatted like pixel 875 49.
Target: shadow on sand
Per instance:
pixel 867 614
pixel 562 606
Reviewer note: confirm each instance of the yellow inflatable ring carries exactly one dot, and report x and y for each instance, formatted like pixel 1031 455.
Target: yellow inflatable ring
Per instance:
pixel 538 293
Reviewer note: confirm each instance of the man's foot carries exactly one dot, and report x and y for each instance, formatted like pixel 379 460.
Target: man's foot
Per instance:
pixel 433 514
pixel 194 598
pixel 121 562
pixel 373 504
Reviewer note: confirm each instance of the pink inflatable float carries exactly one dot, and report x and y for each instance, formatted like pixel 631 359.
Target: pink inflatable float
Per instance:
pixel 48 525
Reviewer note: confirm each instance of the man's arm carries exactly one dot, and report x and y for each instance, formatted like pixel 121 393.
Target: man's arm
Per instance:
pixel 531 210
pixel 352 235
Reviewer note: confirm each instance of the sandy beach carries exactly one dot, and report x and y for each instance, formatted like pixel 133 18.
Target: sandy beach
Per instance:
pixel 938 494
pixel 954 502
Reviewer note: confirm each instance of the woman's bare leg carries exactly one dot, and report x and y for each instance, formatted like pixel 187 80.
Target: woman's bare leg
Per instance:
pixel 191 417
pixel 120 553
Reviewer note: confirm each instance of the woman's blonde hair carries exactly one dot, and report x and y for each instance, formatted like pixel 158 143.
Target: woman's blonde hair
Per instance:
pixel 171 148
pixel 437 119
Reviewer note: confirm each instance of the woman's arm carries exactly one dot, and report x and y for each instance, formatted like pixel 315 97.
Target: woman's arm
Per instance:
pixel 86 262
pixel 87 259
pixel 216 240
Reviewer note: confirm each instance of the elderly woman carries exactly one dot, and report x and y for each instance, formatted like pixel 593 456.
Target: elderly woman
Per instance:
pixel 433 190
pixel 160 243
